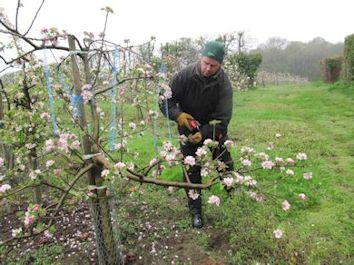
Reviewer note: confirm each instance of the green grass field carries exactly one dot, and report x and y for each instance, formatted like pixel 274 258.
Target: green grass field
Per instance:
pixel 316 119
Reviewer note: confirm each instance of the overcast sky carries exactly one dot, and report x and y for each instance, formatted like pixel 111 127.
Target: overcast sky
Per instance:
pixel 137 20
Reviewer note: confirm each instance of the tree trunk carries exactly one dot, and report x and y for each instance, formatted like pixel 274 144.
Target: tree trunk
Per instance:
pixel 108 253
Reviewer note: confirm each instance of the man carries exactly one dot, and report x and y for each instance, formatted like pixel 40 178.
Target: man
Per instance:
pixel 202 92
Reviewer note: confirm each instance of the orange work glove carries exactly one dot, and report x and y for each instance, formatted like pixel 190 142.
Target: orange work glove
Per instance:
pixel 183 120
pixel 195 138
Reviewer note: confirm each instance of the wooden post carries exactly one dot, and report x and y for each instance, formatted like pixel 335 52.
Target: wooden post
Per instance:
pixel 106 247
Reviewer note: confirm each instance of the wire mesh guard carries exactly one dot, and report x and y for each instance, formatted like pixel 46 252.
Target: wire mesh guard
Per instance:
pixel 104 218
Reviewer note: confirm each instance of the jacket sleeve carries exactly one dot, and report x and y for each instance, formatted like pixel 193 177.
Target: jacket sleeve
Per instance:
pixel 169 107
pixel 222 113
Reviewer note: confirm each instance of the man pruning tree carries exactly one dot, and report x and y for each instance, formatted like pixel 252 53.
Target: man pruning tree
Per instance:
pixel 201 93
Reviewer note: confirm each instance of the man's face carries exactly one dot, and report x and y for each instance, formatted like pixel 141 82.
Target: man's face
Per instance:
pixel 209 66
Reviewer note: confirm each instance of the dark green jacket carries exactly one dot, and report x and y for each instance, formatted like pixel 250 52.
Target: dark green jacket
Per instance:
pixel 206 99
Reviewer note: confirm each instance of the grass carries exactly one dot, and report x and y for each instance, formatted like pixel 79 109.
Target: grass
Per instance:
pixel 316 119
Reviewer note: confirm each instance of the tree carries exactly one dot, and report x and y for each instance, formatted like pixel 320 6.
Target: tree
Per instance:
pixel 297 58
pixel 83 142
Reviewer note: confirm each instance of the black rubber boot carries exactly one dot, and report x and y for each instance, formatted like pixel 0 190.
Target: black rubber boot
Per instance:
pixel 197 221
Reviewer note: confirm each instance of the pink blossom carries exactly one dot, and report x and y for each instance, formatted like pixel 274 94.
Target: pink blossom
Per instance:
pixel 246 162
pixel 57 172
pixel 45 116
pixel 228 181
pixel 36 208
pixel 62 144
pixel 290 161
pixel 239 178
pixel 204 172
pixel 121 145
pixel 210 143
pixel 2 162
pixel 229 143
pixel 289 172
pixel 262 156
pixel 67 136
pixel 4 188
pixel 301 156
pixel 207 142
pixel 44 30
pixel 47 234
pixel 193 194
pixel 86 87
pixel 75 145
pixel 86 95
pixel 256 196
pixel 307 175
pixel 16 232
pixel 189 160
pixel 278 233
pixel 132 125
pixel 33 175
pixel 105 173
pixel 245 150
pixel 119 165
pixel 170 157
pixel 49 163
pixel 268 164
pixel 167 94
pixel 130 166
pixel 214 200
pixel 49 145
pixel 167 146
pixel 286 205
pixel 302 197
pixel 252 182
pixel 153 161
pixel 279 160
pixel 201 152
pixel 28 220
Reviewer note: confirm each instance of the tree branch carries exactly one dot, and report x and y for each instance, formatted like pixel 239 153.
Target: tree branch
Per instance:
pixel 17 10
pixel 34 18
pixel 100 91
pixel 142 179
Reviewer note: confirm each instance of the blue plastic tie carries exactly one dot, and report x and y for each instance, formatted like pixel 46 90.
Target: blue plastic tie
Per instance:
pixel 113 122
pixel 68 92
pixel 50 93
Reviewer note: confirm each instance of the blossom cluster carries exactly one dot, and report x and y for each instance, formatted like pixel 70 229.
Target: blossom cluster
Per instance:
pixel 172 155
pixel 65 142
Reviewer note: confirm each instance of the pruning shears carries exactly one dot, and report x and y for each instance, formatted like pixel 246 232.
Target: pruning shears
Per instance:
pixel 194 124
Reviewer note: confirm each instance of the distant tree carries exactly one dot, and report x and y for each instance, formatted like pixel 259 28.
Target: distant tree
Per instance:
pixel 297 58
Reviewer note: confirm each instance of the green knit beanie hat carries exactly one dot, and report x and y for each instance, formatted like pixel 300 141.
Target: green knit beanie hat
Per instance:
pixel 215 50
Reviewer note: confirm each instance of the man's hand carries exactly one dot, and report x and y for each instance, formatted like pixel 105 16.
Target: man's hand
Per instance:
pixel 183 120
pixel 195 138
